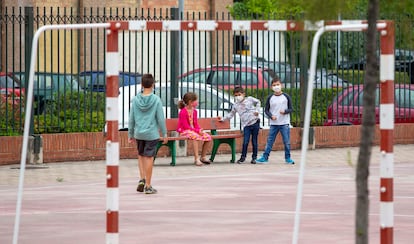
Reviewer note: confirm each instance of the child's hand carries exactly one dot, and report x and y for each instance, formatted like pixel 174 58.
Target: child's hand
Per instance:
pixel 164 140
pixel 274 117
pixel 256 113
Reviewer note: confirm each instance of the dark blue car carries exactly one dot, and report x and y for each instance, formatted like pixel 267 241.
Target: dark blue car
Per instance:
pixel 95 81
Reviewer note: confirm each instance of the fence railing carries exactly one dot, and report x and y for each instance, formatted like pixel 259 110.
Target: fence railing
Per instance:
pixel 70 67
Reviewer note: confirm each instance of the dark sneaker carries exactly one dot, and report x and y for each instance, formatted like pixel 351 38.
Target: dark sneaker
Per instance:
pixel 240 161
pixel 141 184
pixel 150 190
pixel 253 161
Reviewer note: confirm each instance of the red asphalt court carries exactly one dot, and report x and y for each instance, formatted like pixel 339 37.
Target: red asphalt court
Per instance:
pixel 221 203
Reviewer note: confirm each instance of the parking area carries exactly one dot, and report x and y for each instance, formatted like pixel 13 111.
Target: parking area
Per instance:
pixel 220 203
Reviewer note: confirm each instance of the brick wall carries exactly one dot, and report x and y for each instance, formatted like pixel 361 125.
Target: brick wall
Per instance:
pixel 91 146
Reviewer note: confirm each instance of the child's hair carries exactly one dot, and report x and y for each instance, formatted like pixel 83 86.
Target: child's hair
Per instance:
pixel 188 97
pixel 147 80
pixel 276 79
pixel 238 89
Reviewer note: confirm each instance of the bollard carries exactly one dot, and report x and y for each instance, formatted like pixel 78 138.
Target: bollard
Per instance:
pixel 35 150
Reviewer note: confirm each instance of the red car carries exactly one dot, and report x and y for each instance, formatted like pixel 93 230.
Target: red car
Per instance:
pixel 229 76
pixel 10 89
pixel 347 108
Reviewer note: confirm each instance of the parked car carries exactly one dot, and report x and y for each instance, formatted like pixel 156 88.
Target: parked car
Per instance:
pixel 10 85
pixel 229 76
pixel 47 85
pixel 352 64
pixel 282 70
pixel 96 80
pixel 403 59
pixel 323 79
pixel 347 109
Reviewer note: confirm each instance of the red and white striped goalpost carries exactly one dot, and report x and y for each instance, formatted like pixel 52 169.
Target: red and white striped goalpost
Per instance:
pixel 387 133
pixel 112 143
pixel 386 107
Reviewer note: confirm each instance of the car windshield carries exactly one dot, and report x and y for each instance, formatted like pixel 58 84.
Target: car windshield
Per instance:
pixel 206 99
pixel 8 82
pixel 268 75
pixel 55 82
pixel 279 67
pixel 248 78
pixel 404 98
pixel 197 77
pixel 361 98
pixel 224 77
pixel 52 81
pixel 127 79
pixel 164 94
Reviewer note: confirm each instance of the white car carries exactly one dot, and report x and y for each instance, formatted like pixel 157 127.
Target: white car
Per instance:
pixel 211 102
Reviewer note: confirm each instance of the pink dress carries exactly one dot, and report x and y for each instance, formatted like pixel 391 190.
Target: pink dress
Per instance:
pixel 188 126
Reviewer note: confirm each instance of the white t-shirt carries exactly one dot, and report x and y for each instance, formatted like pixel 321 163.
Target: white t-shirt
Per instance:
pixel 277 104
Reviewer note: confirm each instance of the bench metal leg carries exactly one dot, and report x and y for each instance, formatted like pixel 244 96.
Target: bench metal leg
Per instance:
pixel 173 151
pixel 230 141
pixel 216 144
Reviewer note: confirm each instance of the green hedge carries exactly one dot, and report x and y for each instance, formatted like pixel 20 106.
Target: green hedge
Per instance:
pixel 85 112
pixel 73 112
pixel 321 99
pixel 11 116
pixel 357 76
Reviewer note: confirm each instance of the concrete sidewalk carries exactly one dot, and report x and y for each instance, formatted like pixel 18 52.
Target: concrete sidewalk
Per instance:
pixel 218 203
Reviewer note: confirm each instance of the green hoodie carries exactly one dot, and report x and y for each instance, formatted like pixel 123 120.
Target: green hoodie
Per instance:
pixel 146 118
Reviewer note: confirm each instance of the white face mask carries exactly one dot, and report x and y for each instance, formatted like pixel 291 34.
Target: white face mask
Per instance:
pixel 239 98
pixel 277 88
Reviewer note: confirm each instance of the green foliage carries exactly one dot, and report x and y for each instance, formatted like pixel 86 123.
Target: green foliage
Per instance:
pixel 73 112
pixel 321 99
pixel 357 76
pixel 291 9
pixel 11 115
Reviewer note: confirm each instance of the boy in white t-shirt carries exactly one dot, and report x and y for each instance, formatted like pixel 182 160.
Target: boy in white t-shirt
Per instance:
pixel 278 108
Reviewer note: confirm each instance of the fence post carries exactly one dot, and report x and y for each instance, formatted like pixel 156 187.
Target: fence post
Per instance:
pixel 28 37
pixel 175 63
pixel 35 147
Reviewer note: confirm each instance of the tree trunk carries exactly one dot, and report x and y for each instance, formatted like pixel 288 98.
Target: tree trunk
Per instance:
pixel 368 127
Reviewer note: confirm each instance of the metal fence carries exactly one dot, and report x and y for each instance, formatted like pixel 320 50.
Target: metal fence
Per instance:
pixel 70 67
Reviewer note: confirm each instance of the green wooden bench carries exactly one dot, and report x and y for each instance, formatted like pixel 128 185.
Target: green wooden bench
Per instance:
pixel 208 124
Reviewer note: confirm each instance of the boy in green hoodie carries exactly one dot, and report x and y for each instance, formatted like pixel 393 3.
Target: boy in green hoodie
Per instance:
pixel 146 119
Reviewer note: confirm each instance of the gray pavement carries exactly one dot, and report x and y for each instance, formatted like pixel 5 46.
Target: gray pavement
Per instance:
pixel 218 203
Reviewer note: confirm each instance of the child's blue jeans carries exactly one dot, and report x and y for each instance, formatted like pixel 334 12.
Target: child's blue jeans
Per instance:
pixel 274 130
pixel 253 132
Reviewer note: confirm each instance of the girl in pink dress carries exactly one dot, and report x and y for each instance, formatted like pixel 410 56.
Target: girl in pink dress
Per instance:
pixel 188 126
